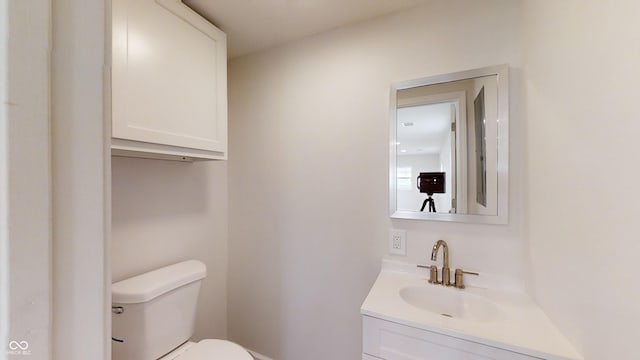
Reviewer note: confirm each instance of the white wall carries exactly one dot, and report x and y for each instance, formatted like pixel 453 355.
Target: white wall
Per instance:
pixel 165 212
pixel 4 179
pixel 80 168
pixel 582 170
pixel 56 224
pixel 28 201
pixel 308 173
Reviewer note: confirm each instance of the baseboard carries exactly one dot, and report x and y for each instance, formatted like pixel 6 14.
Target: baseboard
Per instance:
pixel 258 356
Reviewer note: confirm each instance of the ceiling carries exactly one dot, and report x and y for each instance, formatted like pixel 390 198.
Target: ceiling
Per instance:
pixel 254 25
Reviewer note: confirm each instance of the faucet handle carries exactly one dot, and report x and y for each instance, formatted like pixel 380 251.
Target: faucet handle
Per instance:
pixel 433 273
pixel 459 282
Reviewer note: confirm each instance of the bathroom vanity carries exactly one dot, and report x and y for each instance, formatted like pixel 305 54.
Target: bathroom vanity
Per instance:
pixel 405 317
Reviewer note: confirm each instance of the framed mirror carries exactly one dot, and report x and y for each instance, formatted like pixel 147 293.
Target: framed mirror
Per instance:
pixel 449 147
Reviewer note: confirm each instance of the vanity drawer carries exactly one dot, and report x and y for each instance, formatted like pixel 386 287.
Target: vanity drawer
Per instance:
pixel 391 341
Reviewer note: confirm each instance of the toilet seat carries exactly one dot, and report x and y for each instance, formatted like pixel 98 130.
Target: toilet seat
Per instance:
pixel 211 349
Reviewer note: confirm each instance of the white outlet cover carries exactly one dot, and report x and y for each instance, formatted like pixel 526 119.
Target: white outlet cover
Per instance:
pixel 398 242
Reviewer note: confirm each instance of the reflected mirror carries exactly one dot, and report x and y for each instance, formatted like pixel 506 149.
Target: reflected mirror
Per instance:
pixel 449 147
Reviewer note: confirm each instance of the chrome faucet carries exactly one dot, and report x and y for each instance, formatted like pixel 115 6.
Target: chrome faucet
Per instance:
pixel 446 275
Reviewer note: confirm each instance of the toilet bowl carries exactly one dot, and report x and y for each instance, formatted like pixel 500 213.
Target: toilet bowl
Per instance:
pixel 153 317
pixel 210 349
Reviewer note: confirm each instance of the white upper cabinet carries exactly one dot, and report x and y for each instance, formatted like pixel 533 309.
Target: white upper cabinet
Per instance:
pixel 169 82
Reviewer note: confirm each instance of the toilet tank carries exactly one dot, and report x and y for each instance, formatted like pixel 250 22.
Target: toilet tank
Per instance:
pixel 154 312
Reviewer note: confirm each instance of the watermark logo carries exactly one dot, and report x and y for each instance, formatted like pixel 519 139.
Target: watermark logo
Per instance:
pixel 19 348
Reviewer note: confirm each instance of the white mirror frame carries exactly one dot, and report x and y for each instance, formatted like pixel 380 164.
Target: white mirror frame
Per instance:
pixel 502 166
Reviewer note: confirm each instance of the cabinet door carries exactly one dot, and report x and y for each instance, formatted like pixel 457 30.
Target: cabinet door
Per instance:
pixel 168 76
pixel 391 341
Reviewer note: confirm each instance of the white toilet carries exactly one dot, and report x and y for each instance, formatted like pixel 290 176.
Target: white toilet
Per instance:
pixel 153 317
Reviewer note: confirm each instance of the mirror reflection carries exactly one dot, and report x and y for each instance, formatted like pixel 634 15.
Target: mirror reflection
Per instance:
pixel 448 158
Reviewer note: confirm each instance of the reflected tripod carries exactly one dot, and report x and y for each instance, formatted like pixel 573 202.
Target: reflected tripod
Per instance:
pixel 431 202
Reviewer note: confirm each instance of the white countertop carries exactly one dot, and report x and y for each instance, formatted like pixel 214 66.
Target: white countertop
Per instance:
pixel 523 328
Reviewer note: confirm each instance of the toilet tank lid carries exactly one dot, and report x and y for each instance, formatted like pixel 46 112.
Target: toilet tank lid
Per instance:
pixel 147 286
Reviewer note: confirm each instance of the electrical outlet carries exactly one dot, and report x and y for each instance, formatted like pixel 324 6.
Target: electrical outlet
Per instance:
pixel 398 242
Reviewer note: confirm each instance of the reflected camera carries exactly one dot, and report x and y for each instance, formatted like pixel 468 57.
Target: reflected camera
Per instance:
pixel 431 182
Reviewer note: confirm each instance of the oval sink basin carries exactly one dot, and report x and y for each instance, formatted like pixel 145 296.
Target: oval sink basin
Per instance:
pixel 452 303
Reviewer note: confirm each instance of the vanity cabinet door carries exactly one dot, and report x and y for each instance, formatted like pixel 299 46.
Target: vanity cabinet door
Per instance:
pixel 391 341
pixel 168 80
